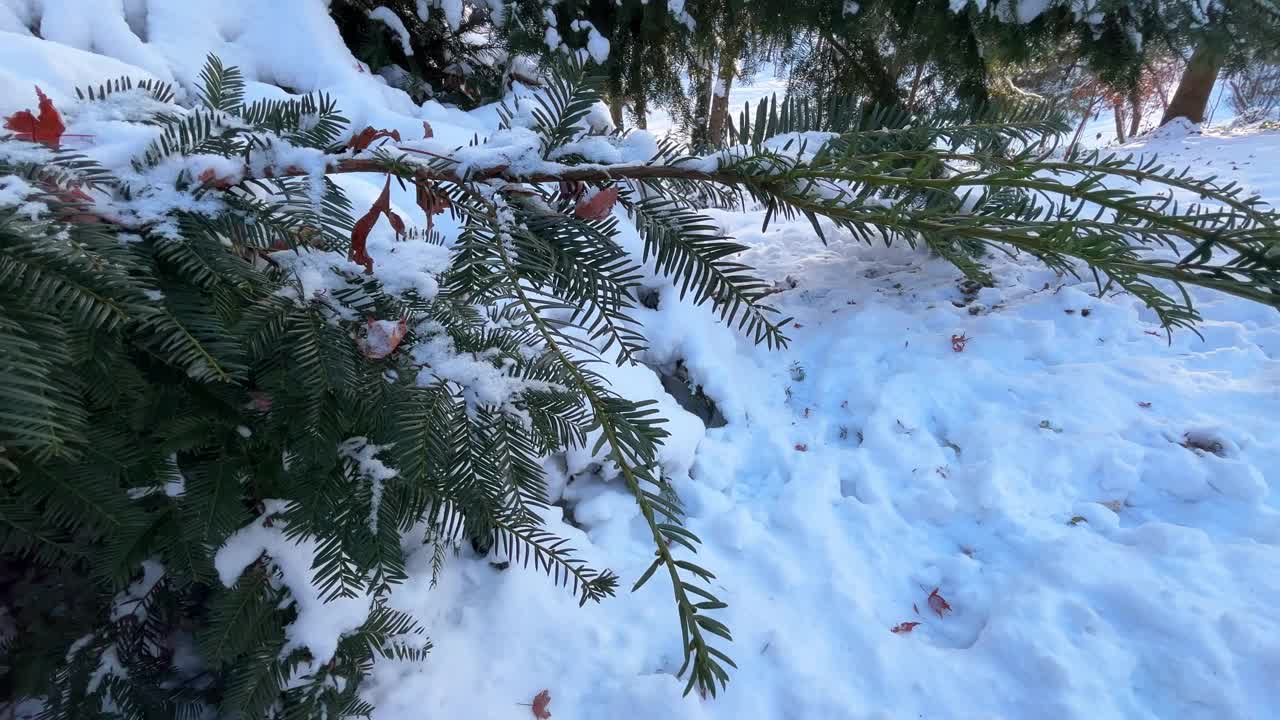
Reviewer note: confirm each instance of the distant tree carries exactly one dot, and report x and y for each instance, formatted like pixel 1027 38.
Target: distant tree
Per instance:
pixel 1226 35
pixel 1255 90
pixel 452 58
pixel 641 46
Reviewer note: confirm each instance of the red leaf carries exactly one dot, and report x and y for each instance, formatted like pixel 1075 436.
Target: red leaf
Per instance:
pixel 359 252
pixel 46 129
pixel 427 132
pixel 801 447
pixel 937 603
pixel 431 200
pixel 905 627
pixel 363 139
pixel 360 235
pixel 540 703
pixel 209 177
pixel 572 189
pixel 382 337
pixel 261 401
pixel 598 206
pixel 958 342
pixel 396 223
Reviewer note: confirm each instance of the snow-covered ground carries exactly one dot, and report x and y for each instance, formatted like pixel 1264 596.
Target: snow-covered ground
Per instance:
pixel 1096 506
pixel 1041 479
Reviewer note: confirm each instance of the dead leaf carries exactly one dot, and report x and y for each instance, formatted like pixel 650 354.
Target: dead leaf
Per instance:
pixel 360 231
pixel 47 128
pixel 431 200
pixel 801 447
pixel 427 132
pixel 904 627
pixel 572 189
pixel 261 401
pixel 958 342
pixel 1144 405
pixel 210 177
pixel 78 202
pixel 540 703
pixel 363 139
pixel 358 253
pixel 382 337
pixel 937 603
pixel 598 206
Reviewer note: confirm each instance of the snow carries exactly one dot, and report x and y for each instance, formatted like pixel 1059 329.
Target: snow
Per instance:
pixel 319 624
pixel 1097 506
pixel 1108 570
pixel 393 22
pixel 365 455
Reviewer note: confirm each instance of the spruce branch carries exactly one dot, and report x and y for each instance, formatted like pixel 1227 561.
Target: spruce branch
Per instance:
pixel 633 459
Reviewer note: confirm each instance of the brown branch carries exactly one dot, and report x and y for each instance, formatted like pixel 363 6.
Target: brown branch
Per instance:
pixel 503 172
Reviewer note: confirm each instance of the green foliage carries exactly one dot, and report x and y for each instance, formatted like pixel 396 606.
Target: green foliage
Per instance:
pixel 161 380
pixel 454 60
pixel 970 182
pixel 168 382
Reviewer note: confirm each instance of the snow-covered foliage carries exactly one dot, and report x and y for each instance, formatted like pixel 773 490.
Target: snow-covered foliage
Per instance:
pixel 1079 516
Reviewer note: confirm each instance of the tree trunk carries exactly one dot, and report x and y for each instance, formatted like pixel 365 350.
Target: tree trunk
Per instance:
pixel 866 62
pixel 1135 108
pixel 1118 107
pixel 724 83
pixel 640 107
pixel 700 83
pixel 615 110
pixel 915 86
pixel 639 102
pixel 1088 112
pixel 1192 96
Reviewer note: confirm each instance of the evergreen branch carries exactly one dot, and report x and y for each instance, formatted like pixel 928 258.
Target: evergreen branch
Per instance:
pixel 704 664
pixel 521 540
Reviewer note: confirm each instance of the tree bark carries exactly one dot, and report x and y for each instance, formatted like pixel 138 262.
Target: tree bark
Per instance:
pixel 1192 96
pixel 1084 119
pixel 724 83
pixel 615 110
pixel 639 101
pixel 865 60
pixel 700 81
pixel 1118 107
pixel 1135 110
pixel 915 86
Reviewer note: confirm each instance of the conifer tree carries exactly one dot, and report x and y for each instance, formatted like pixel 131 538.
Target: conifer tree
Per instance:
pixel 199 448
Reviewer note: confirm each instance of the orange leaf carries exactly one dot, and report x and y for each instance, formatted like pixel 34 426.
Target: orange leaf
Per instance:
pixel 937 603
pixel 209 177
pixel 431 200
pixel 359 252
pixel 382 337
pixel 540 703
pixel 46 129
pixel 905 627
pixel 363 139
pixel 598 206
pixel 359 237
pixel 427 132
